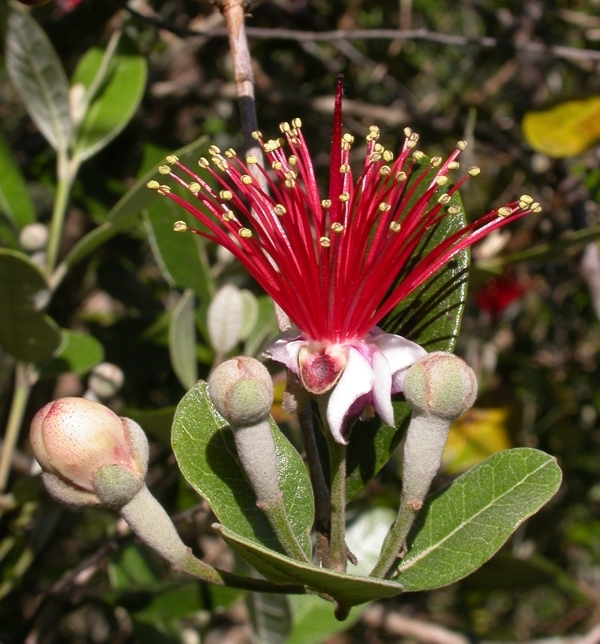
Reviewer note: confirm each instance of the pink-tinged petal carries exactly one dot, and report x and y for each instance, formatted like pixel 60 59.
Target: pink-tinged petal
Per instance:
pixel 398 351
pixel 357 380
pixel 382 388
pixel 285 349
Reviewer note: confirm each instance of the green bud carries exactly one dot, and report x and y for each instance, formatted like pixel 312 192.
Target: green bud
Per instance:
pixel 241 389
pixel 442 385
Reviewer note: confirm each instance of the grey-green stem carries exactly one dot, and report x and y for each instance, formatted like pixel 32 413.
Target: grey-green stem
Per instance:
pixel 148 519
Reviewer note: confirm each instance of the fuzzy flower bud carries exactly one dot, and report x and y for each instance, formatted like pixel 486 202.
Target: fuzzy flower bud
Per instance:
pixel 242 391
pixel 75 440
pixel 441 384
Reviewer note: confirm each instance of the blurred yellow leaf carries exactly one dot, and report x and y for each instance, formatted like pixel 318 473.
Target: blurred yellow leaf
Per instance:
pixel 474 436
pixel 565 130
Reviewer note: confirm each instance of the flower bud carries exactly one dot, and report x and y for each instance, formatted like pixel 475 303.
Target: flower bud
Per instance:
pixel 33 237
pixel 72 438
pixel 105 380
pixel 241 389
pixel 441 384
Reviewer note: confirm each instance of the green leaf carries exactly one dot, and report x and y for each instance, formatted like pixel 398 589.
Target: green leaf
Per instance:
pixel 264 328
pixel 180 256
pixel 15 203
pixel 121 79
pixel 270 617
pixel 78 353
pixel 349 590
pixel 182 340
pixel 37 73
pixel 25 332
pixel 205 450
pixel 462 526
pixel 126 211
pixel 430 317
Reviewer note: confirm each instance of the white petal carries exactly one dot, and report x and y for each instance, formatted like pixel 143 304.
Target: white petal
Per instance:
pixel 399 352
pixel 382 388
pixel 285 349
pixel 356 381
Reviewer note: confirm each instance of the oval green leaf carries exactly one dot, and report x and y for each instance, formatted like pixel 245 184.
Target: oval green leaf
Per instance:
pixel 37 73
pixel 25 332
pixel 120 79
pixel 462 526
pixel 348 590
pixel 182 340
pixel 205 450
pixel 78 353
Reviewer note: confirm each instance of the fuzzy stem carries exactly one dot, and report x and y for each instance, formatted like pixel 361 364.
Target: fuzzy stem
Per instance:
pixel 423 448
pixel 67 170
pixel 148 519
pixel 15 419
pixel 319 485
pixel 256 451
pixel 338 557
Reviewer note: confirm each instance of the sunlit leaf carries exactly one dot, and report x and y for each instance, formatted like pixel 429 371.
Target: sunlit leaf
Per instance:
pixel 566 130
pixel 36 71
pixel 79 352
pixel 475 436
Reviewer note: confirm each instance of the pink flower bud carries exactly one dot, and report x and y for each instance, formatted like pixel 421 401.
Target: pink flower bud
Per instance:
pixel 73 438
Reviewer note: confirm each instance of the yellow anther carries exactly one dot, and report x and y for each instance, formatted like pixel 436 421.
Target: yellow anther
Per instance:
pixel 297 123
pixel 374 157
pixel 384 170
pixel 384 207
pixel 401 176
pixel 164 169
pixel 171 159
pixel 194 187
pixel 388 156
pixel 373 128
pixel 203 162
pixel 251 159
pixel 535 205
pixel 272 145
pixel 461 145
pixel 290 183
pixel 256 135
pixel 473 171
pixel 344 168
pixel 378 148
pixel 411 144
pixel 344 197
pixel 164 190
pixel 395 226
pixel 407 132
pixel 246 179
pixel 246 233
pixel 292 159
pixel 279 210
pixel 453 165
pixel 226 195
pixel 442 180
pixel 290 174
pixel 214 150
pixel 220 163
pixel 326 203
pixel 418 155
pixel 284 127
pixel 414 137
pixel 227 215
pixel 454 210
pixel 505 211
pixel 325 242
pixel 526 199
pixel 230 153
pixel 180 226
pixel 153 185
pixel 436 161
pixel 348 138
pixel 337 227
pixel 444 199
pixel 276 165
pixel 538 208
